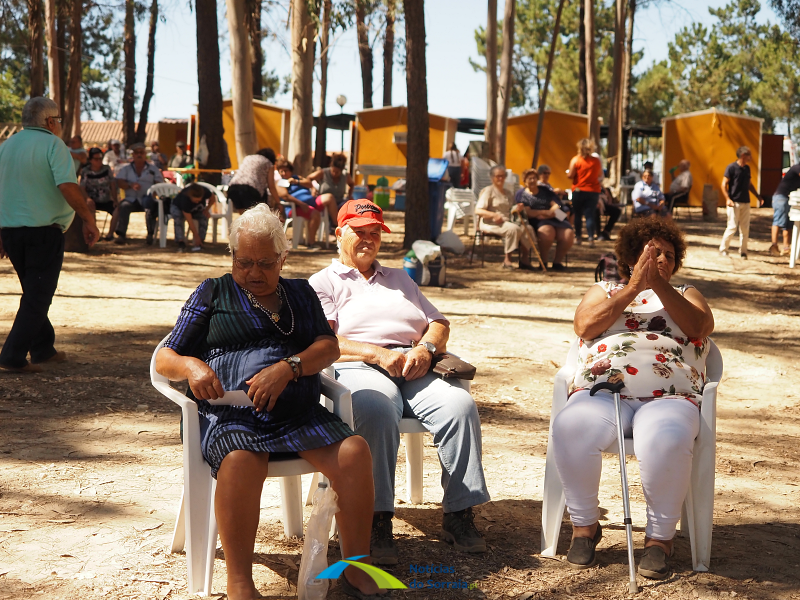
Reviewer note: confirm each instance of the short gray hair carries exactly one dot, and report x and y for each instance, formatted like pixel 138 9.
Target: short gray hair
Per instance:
pixel 342 232
pixel 259 221
pixel 37 110
pixel 497 168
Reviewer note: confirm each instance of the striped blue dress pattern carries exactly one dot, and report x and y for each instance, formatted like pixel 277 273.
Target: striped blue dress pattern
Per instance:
pixel 220 326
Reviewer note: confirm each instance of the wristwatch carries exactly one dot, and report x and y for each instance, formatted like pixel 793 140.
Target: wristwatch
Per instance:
pixel 296 364
pixel 429 347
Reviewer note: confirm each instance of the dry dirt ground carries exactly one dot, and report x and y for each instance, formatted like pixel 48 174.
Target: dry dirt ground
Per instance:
pixel 91 456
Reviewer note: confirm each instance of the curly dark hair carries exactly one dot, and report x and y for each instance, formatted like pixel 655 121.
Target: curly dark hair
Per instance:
pixel 633 237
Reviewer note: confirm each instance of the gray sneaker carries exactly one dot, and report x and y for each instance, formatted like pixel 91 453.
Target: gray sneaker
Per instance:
pixel 458 528
pixel 382 548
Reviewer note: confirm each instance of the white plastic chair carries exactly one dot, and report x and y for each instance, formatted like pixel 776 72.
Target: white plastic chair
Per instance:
pixel 298 224
pixel 159 191
pixel 225 215
pixel 794 216
pixel 196 524
pixel 698 508
pixel 460 204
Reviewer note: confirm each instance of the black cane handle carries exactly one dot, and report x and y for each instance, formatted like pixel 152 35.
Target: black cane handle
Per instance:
pixel 614 388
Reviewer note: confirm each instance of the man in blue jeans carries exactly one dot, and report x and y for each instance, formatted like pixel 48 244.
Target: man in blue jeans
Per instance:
pixel 780 210
pixel 39 197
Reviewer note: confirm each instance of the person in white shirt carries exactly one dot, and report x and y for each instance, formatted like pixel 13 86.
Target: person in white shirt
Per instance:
pixel 113 158
pixel 648 198
pixel 453 158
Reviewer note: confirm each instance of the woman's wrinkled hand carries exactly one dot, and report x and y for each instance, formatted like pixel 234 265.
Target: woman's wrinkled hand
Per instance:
pixel 204 383
pixel 391 361
pixel 418 362
pixel 639 276
pixel 268 384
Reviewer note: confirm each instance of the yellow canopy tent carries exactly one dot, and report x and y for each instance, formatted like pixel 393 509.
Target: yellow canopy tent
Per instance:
pixel 272 128
pixel 562 131
pixel 381 134
pixel 708 139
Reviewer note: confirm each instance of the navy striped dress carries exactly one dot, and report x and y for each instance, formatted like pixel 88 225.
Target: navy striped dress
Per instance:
pixel 220 326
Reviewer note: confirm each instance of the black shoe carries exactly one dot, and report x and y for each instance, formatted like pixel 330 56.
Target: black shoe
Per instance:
pixel 581 553
pixel 558 267
pixel 181 247
pixel 382 548
pixel 529 267
pixel 121 239
pixel 604 236
pixel 743 255
pixel 149 240
pixel 350 590
pixel 654 563
pixel 458 528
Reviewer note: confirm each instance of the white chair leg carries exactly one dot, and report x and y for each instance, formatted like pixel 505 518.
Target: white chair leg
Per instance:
pixel 179 533
pixel 414 452
pixel 211 547
pixel 298 228
pixel 795 248
pixel 451 216
pixel 292 501
pixel 553 503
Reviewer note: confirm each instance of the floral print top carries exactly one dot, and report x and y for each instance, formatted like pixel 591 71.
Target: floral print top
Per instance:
pixel 645 349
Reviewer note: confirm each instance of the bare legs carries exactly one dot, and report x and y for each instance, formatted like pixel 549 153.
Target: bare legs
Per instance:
pixel 239 481
pixel 775 230
pixel 328 201
pixel 348 464
pixel 312 226
pixel 564 239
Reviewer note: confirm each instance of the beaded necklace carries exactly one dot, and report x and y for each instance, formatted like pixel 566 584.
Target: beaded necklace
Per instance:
pixel 274 317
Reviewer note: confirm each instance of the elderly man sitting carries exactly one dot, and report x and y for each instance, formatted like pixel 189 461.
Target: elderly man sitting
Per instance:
pixel 388 335
pixel 648 199
pixel 136 178
pixel 682 183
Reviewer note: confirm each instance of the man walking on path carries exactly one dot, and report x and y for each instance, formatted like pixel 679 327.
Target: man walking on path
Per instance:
pixel 39 197
pixel 736 188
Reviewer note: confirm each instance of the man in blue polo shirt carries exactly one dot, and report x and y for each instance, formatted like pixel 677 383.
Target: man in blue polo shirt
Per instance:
pixel 39 197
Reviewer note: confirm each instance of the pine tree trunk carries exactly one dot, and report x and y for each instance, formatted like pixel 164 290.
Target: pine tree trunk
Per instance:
pixel 490 130
pixel 209 107
pixel 54 83
pixel 626 73
pixel 322 120
pixel 302 73
pixel 72 115
pixel 364 53
pixel 36 47
pixel 242 81
pixel 506 79
pixel 543 103
pixel 388 52
pixel 591 75
pixel 417 219
pixel 582 58
pixel 253 18
pixel 141 132
pixel 614 154
pixel 62 23
pixel 129 92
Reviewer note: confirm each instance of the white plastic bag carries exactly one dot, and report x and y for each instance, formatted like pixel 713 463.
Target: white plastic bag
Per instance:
pixel 202 151
pixel 449 240
pixel 315 545
pixel 425 251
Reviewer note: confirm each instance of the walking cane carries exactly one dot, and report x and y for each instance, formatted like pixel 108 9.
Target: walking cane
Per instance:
pixel 615 389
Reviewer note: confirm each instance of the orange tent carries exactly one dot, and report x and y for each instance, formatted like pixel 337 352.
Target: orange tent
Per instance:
pixel 272 128
pixel 708 139
pixel 562 131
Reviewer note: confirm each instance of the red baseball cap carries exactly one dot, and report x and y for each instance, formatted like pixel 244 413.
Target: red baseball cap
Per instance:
pixel 358 213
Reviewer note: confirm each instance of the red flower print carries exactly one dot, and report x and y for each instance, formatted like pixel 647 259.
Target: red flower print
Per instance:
pixel 631 323
pixel 652 336
pixel 602 348
pixel 680 341
pixel 631 370
pixel 658 393
pixel 661 358
pixel 696 342
pixel 657 323
pixel 644 300
pixel 601 367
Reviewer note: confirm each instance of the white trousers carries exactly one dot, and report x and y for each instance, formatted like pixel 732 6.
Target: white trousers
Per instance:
pixel 738 219
pixel 663 433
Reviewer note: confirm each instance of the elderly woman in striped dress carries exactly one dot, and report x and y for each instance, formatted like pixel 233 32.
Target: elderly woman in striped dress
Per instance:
pixel 253 330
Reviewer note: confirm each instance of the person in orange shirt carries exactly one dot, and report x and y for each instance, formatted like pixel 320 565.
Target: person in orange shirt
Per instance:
pixel 585 171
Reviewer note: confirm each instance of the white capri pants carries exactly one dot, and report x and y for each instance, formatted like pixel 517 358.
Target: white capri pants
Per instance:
pixel 663 434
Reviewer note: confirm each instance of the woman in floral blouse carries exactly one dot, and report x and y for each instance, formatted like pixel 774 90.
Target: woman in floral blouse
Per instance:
pixel 653 337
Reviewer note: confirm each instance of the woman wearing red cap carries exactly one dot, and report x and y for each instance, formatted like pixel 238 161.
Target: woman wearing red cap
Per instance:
pixel 388 333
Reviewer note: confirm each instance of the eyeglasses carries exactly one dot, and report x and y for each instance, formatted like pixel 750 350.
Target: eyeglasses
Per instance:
pixel 56 119
pixel 499 176
pixel 246 264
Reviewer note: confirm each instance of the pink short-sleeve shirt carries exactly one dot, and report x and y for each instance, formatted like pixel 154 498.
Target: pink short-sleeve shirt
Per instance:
pixel 387 309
